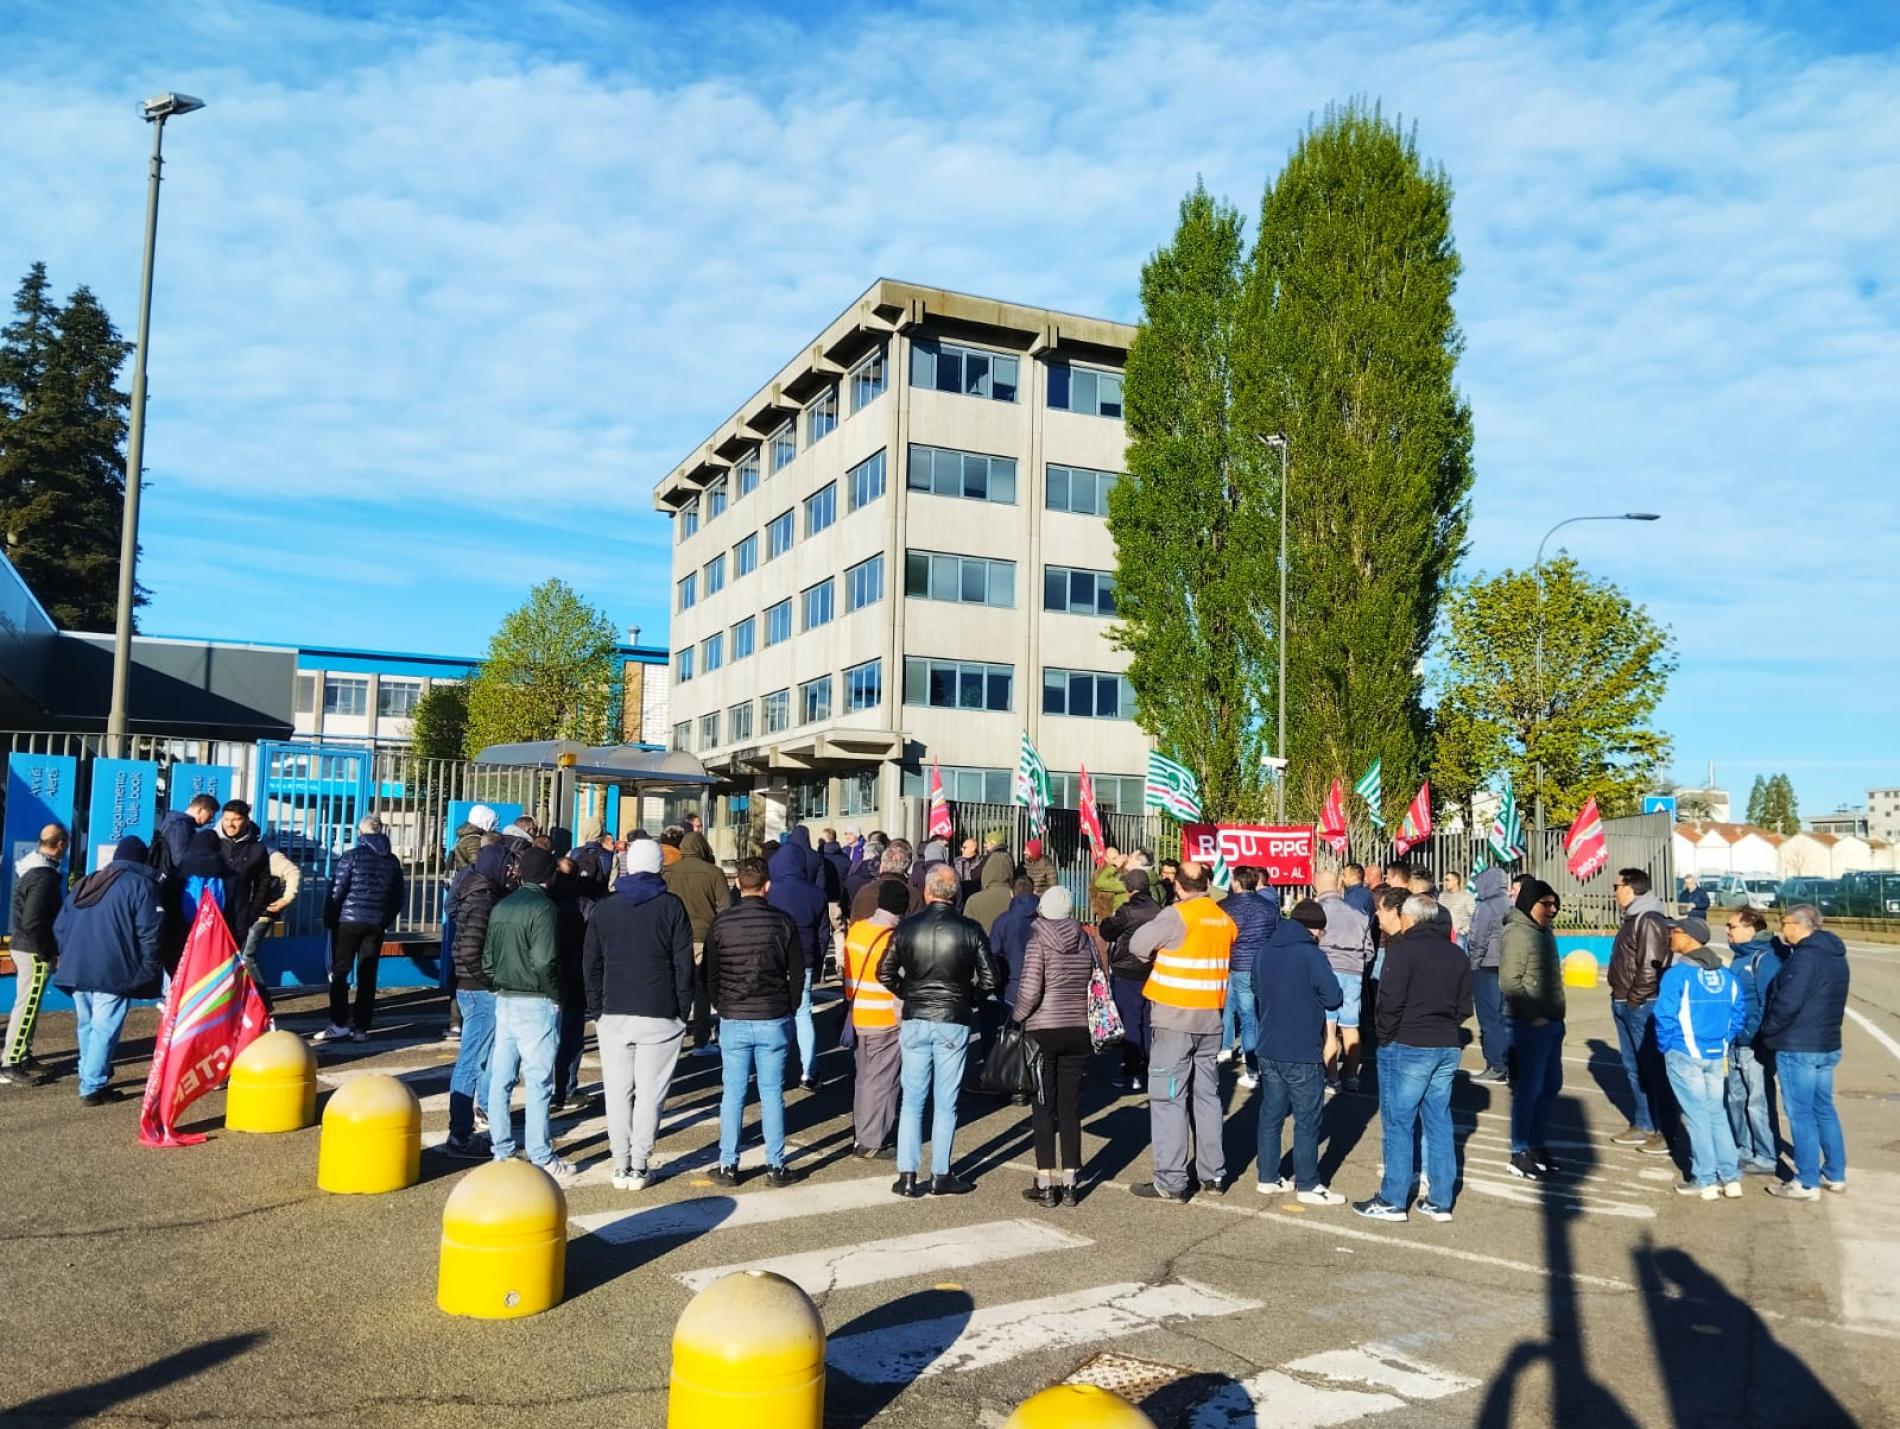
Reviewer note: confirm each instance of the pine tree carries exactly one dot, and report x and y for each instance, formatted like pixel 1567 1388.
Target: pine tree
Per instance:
pixel 63 424
pixel 549 673
pixel 1780 811
pixel 1348 344
pixel 1757 802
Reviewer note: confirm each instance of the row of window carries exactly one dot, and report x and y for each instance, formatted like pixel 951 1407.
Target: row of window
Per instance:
pixel 862 689
pixel 863 585
pixel 349 695
pixel 965 784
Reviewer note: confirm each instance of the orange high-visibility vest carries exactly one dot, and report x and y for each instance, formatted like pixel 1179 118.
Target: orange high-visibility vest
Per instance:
pixel 1195 974
pixel 873 1009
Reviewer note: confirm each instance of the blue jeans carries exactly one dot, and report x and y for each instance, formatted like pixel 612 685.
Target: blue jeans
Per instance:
pixel 1751 1106
pixel 1698 1082
pixel 746 1048
pixel 1297 1088
pixel 1538 1076
pixel 807 1030
pixel 527 1030
pixel 1807 1099
pixel 1636 1039
pixel 100 1018
pixel 470 1077
pixel 1494 1039
pixel 1414 1089
pixel 931 1061
pixel 1239 1014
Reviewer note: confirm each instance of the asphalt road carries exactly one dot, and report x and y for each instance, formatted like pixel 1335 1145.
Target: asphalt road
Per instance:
pixel 217 1284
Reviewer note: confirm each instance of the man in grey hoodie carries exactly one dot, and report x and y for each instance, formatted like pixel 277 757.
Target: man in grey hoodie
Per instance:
pixel 1484 947
pixel 1347 942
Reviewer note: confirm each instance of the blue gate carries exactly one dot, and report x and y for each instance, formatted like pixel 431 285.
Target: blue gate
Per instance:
pixel 309 800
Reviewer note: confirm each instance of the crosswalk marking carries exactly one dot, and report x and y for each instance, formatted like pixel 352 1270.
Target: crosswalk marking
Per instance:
pixel 869 1262
pixel 1385 1368
pixel 1354 1383
pixel 1525 1195
pixel 997 1333
pixel 677 1219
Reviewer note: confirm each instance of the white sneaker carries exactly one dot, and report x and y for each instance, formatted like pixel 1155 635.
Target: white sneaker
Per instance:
pixel 1226 1054
pixel 1274 1188
pixel 1732 1190
pixel 1320 1195
pixel 1710 1192
pixel 1839 1188
pixel 333 1033
pixel 1249 1081
pixel 563 1173
pixel 630 1180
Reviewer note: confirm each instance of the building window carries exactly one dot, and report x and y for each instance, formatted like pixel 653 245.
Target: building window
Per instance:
pixel 815 604
pixel 716 500
pixel 865 481
pixel 957 684
pixel 821 509
pixel 784 444
pixel 778 623
pixel 1087 694
pixel 775 711
pixel 745 556
pixel 712 652
pixel 716 574
pixel 814 700
pixel 709 730
pixel 1117 793
pixel 967 370
pixel 1078 592
pixel 778 536
pixel 867 381
pixel 739 722
pixel 683 665
pixel 963 784
pixel 967 474
pixel 864 686
pixel 864 583
pixel 1080 489
pixel 1085 389
pixel 808 798
pixel 689 519
pixel 748 470
pixel 821 417
pixel 306 694
pixel 745 637
pixel 857 793
pixel 689 590
pixel 683 735
pixel 396 699
pixel 970 580
pixel 345 695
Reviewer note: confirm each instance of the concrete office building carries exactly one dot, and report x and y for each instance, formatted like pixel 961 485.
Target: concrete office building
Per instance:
pixel 895 550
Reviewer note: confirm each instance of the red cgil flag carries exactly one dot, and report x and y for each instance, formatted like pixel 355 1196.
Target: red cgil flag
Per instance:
pixel 940 825
pixel 1586 849
pixel 213 1014
pixel 1091 817
pixel 1332 818
pixel 1417 825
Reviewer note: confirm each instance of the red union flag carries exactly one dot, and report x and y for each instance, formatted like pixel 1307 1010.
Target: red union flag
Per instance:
pixel 1417 825
pixel 1284 854
pixel 1586 849
pixel 213 1013
pixel 940 825
pixel 1091 817
pixel 1332 818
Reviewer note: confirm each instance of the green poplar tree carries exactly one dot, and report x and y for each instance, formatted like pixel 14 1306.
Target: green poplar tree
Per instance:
pixel 1780 811
pixel 548 674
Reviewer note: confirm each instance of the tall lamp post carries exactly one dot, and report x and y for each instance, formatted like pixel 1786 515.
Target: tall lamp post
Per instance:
pixel 1538 571
pixel 1278 441
pixel 156 111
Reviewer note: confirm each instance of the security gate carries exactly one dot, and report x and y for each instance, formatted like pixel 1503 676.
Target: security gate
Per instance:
pixel 309 800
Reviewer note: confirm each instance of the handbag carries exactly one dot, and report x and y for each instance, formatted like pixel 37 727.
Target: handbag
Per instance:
pixel 1105 1019
pixel 1013 1066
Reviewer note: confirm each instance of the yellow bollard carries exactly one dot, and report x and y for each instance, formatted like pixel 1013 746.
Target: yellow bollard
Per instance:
pixel 748 1352
pixel 1580 969
pixel 273 1085
pixel 504 1243
pixel 372 1138
pixel 1077 1406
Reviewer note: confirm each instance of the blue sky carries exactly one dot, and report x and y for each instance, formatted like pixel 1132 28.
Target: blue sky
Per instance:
pixel 443 290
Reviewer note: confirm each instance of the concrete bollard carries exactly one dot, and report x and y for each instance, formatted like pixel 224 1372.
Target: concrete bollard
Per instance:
pixel 504 1243
pixel 273 1086
pixel 372 1138
pixel 1077 1406
pixel 1580 969
pixel 748 1352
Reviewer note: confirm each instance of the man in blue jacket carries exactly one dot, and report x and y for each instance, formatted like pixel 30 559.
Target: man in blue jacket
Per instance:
pixel 1699 1013
pixel 796 893
pixel 1801 1025
pixel 1293 990
pixel 1247 905
pixel 366 894
pixel 1754 960
pixel 108 936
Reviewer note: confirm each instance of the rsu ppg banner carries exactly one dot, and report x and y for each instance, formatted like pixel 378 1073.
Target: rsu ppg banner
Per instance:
pixel 1285 854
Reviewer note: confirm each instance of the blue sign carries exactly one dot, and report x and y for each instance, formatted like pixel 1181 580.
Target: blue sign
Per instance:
pixel 188 781
pixel 124 801
pixel 39 792
pixel 1660 804
pixel 505 814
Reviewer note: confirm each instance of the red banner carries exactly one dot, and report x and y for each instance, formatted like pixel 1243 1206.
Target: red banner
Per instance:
pixel 1332 819
pixel 213 1013
pixel 1284 854
pixel 1586 850
pixel 1091 817
pixel 1417 825
pixel 940 825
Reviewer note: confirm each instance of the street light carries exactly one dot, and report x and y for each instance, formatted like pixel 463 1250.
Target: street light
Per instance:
pixel 1278 441
pixel 156 111
pixel 1537 570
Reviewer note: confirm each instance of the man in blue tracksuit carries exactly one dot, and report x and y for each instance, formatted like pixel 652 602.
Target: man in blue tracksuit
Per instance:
pixel 1700 1011
pixel 1801 1024
pixel 1754 959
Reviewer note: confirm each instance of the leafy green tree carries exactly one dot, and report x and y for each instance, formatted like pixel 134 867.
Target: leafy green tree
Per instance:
pixel 1195 574
pixel 1347 343
pixel 439 726
pixel 63 424
pixel 548 674
pixel 1757 796
pixel 1607 664
pixel 1780 811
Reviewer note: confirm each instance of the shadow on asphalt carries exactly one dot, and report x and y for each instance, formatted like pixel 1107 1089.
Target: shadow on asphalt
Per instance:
pixel 75 1406
pixel 636 1239
pixel 928 1322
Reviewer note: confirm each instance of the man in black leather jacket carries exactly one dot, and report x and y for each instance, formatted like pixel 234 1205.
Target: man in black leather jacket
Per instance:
pixel 940 969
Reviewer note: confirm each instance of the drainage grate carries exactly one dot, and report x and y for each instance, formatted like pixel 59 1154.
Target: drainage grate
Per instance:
pixel 1164 1392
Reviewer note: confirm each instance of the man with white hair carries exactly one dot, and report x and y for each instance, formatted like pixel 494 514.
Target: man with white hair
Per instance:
pixel 366 894
pixel 1801 1024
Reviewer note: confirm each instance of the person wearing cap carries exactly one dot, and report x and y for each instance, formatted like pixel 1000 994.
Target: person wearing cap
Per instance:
pixel 1293 989
pixel 1754 958
pixel 1699 1011
pixel 1052 1004
pixel 874 1017
pixel 1039 867
pixel 1531 984
pixel 478 888
pixel 521 956
pixel 109 938
pixel 469 834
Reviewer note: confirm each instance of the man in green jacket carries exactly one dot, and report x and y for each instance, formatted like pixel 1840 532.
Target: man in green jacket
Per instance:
pixel 1531 982
pixel 521 956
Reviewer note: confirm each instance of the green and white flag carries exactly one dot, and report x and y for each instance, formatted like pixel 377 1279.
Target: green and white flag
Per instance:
pixel 1172 788
pixel 1507 828
pixel 1032 786
pixel 1479 863
pixel 1366 786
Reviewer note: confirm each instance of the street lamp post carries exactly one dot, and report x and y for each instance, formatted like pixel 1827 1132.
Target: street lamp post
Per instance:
pixel 1537 570
pixel 1278 441
pixel 156 111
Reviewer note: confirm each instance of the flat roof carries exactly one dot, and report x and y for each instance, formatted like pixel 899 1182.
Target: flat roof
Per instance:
pixel 337 654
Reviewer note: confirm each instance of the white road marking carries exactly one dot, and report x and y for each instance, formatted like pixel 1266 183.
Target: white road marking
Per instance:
pixel 1867 1026
pixel 1526 1195
pixel 871 1262
pixel 727 1212
pixel 1863 1223
pixel 1356 1383
pixel 1383 1367
pixel 993 1335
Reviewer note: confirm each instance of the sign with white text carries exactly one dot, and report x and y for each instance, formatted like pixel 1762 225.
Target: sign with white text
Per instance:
pixel 1284 854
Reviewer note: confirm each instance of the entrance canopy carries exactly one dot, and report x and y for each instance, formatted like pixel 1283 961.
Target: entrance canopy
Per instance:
pixel 653 771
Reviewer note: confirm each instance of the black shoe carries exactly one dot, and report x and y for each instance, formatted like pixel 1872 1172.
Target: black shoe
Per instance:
pixel 725 1175
pixel 1148 1191
pixel 810 1084
pixel 905 1184
pixel 1524 1166
pixel 476 1148
pixel 950 1186
pixel 1214 1188
pixel 783 1176
pixel 1048 1196
pixel 103 1097
pixel 28 1072
pixel 1545 1162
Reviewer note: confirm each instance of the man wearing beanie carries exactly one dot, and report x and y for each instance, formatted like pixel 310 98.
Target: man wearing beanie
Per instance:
pixel 521 956
pixel 1294 987
pixel 1531 984
pixel 874 1013
pixel 637 966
